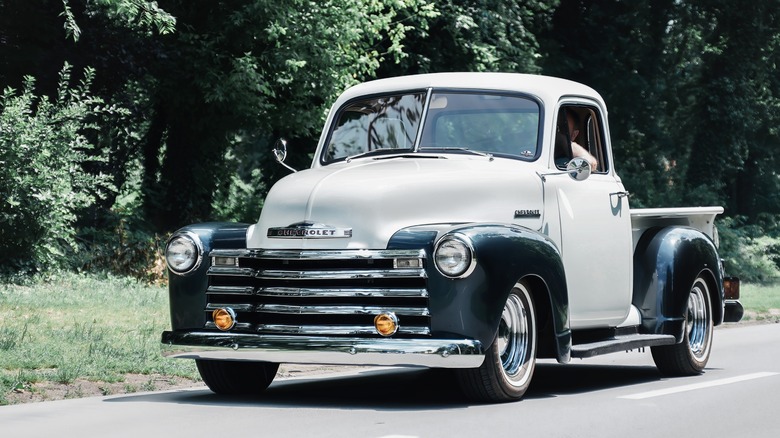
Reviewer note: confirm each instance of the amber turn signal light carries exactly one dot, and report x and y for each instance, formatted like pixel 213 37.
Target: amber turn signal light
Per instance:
pixel 224 318
pixel 386 324
pixel 731 288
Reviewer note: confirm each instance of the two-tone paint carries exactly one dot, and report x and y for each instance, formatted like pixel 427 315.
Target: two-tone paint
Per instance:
pixel 570 241
pixel 188 292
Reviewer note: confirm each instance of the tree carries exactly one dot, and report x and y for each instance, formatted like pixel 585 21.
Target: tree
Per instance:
pixel 620 49
pixel 473 35
pixel 249 71
pixel 735 116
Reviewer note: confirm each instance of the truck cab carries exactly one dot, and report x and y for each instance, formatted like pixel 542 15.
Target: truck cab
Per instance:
pixel 472 221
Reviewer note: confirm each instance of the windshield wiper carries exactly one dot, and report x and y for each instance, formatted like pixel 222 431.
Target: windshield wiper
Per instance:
pixel 481 154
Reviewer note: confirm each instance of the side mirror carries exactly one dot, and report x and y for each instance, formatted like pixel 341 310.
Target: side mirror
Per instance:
pixel 280 152
pixel 578 169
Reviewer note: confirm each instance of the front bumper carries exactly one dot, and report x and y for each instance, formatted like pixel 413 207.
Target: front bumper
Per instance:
pixel 432 353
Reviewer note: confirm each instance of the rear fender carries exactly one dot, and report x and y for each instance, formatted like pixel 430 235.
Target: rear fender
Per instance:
pixel 666 263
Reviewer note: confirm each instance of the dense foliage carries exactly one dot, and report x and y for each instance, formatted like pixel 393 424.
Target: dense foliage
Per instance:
pixel 206 86
pixel 43 182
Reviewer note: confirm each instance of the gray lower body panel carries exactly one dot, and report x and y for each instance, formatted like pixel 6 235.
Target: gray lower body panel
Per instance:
pixel 432 353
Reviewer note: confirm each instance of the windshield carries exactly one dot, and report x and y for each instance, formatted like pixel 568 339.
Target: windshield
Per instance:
pixel 457 122
pixel 380 123
pixel 490 123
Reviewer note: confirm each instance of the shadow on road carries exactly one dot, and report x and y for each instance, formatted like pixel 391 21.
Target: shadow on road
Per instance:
pixel 407 389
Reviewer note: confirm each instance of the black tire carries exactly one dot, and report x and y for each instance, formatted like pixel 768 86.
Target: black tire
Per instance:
pixel 510 360
pixel 691 355
pixel 233 378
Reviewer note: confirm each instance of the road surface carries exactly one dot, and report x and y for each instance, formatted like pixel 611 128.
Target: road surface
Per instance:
pixel 618 395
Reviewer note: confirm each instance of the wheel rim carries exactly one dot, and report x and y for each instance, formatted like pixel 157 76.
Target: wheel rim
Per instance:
pixel 698 319
pixel 515 338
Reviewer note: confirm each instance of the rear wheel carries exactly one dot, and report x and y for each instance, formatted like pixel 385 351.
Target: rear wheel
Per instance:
pixel 691 355
pixel 510 360
pixel 226 377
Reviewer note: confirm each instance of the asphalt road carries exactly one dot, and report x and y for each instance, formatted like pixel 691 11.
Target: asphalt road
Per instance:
pixel 618 395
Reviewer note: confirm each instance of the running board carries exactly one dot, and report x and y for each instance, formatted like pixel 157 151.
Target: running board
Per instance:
pixel 620 343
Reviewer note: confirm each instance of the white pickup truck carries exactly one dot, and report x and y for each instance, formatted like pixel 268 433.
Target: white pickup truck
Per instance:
pixel 473 221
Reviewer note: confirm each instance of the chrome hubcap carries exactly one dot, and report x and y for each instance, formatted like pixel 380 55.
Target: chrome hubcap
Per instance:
pixel 698 319
pixel 514 340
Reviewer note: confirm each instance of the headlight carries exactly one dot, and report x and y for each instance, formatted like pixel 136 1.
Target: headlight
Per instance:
pixel 454 256
pixel 184 253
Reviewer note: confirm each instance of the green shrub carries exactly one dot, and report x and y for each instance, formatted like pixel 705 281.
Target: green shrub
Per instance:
pixel 43 150
pixel 749 251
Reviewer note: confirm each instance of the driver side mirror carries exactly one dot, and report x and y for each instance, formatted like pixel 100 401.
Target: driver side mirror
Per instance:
pixel 280 152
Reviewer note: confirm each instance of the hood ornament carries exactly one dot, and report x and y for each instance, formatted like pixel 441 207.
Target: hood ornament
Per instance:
pixel 309 230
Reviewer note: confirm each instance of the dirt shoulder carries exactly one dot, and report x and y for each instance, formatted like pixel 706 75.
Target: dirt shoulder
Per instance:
pixel 80 388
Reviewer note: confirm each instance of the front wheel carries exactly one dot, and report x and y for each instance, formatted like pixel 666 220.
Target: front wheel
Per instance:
pixel 691 355
pixel 233 378
pixel 510 360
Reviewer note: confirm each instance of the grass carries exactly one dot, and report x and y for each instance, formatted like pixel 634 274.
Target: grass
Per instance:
pixel 75 328
pixel 761 302
pixel 82 327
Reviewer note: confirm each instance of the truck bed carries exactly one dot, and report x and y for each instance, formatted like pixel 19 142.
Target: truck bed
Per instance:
pixel 700 218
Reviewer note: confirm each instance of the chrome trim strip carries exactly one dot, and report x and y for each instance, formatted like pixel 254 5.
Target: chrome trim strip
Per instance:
pixel 271 274
pixel 339 310
pixel 274 274
pixel 210 307
pixel 319 255
pixel 238 326
pixel 340 293
pixel 231 290
pixel 324 330
pixel 438 353
pixel 231 271
pixel 423 118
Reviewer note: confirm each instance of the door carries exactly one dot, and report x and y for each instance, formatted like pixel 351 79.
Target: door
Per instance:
pixel 595 227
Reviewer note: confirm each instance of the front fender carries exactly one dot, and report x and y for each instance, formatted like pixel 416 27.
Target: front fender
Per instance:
pixel 666 263
pixel 188 292
pixel 472 306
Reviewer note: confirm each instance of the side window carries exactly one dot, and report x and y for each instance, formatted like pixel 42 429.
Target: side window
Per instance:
pixel 595 142
pixel 580 134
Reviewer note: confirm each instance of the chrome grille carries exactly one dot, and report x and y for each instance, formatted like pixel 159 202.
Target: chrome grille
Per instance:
pixel 327 293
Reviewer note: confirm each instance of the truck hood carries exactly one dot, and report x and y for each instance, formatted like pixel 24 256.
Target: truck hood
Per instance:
pixel 371 199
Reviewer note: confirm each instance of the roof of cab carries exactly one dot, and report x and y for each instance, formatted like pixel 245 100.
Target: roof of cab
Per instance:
pixel 548 89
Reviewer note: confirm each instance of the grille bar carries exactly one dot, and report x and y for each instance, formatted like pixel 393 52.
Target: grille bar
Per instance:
pixel 322 330
pixel 318 255
pixel 278 274
pixel 231 271
pixel 340 293
pixel 339 310
pixel 210 307
pixel 239 326
pixel 340 275
pixel 230 290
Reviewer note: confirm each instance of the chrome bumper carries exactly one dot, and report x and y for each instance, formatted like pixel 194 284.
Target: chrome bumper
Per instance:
pixel 733 311
pixel 432 353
